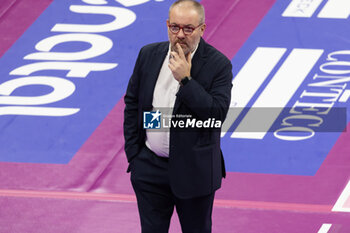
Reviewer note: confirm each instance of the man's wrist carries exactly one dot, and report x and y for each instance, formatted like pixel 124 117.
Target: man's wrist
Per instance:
pixel 185 80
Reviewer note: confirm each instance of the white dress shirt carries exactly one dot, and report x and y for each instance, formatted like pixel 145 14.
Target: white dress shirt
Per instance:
pixel 164 97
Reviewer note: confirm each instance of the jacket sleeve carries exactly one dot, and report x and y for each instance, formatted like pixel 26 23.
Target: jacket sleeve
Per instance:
pixel 213 102
pixel 131 125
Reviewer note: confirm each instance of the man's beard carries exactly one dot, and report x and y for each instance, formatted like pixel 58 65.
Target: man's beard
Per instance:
pixel 185 48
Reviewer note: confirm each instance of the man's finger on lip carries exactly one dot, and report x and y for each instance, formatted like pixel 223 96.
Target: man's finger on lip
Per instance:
pixel 181 52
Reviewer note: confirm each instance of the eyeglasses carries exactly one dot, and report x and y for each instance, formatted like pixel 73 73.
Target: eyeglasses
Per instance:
pixel 188 30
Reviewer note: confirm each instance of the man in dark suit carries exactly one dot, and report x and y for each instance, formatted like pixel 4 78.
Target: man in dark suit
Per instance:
pixel 181 168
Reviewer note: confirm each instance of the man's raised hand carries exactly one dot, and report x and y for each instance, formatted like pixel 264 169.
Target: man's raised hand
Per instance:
pixel 180 64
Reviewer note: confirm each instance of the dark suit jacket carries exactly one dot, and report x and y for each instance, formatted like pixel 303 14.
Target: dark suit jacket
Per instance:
pixel 196 164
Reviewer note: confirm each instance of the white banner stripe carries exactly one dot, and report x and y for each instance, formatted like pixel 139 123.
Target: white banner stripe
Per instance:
pixel 344 197
pixel 336 9
pixel 249 79
pixel 325 228
pixel 298 8
pixel 277 93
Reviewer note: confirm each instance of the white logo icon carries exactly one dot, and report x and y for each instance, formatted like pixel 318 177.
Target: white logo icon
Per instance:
pixel 333 9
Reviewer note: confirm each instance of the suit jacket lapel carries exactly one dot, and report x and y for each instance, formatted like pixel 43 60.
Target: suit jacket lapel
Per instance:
pixel 154 65
pixel 198 61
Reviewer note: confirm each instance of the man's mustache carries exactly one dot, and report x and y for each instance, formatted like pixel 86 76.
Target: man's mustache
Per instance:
pixel 181 42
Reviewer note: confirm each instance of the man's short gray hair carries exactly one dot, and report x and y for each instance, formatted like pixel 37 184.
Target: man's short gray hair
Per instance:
pixel 197 6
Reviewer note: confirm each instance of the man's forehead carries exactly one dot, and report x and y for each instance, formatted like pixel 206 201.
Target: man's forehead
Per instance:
pixel 187 14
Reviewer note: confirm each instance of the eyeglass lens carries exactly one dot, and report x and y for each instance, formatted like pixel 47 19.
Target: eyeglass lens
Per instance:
pixel 176 29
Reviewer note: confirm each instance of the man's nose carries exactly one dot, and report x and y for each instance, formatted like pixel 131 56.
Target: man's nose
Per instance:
pixel 181 34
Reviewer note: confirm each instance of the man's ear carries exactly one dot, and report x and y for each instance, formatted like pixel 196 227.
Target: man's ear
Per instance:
pixel 202 28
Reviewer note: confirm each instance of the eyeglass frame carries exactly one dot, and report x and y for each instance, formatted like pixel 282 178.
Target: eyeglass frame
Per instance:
pixel 182 28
